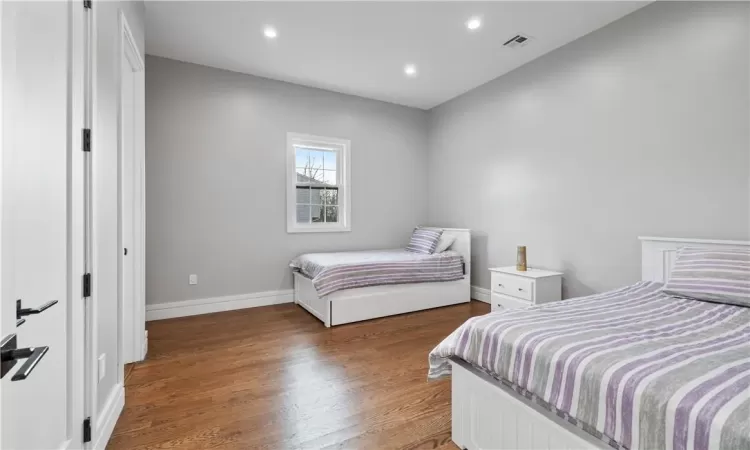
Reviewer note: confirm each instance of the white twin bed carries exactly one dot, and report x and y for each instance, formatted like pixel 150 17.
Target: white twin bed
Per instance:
pixel 370 302
pixel 663 359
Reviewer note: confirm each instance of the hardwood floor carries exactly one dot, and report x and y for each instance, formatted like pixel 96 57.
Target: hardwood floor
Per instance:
pixel 275 378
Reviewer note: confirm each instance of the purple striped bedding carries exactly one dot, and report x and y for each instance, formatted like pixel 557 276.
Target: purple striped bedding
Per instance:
pixel 331 272
pixel 716 275
pixel 424 240
pixel 643 368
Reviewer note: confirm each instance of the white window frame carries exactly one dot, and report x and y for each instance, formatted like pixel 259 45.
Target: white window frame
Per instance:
pixel 342 148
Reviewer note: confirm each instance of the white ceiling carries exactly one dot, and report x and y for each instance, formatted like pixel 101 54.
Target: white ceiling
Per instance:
pixel 361 48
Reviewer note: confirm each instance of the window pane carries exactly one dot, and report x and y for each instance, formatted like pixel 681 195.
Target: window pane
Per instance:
pixel 329 161
pixel 308 175
pixel 302 157
pixel 331 197
pixel 316 196
pixel 316 160
pixel 301 178
pixel 303 194
pixel 329 177
pixel 303 214
pixel 309 164
pixel 332 213
pixel 316 213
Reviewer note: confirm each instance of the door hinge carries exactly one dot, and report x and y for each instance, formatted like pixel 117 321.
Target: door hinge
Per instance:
pixel 87 139
pixel 86 285
pixel 87 429
pixel 87 4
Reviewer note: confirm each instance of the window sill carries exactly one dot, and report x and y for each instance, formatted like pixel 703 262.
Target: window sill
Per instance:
pixel 321 229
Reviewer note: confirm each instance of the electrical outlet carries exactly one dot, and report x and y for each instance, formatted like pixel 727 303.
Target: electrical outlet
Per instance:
pixel 102 366
pixel 193 279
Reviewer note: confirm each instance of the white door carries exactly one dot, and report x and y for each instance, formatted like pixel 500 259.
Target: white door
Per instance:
pixel 41 395
pixel 131 154
pixel 127 160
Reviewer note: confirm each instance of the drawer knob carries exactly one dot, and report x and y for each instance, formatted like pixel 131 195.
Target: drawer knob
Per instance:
pixel 520 289
pixel 500 284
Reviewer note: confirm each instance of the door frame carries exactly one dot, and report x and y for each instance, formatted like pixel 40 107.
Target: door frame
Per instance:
pixel 103 419
pixel 77 160
pixel 132 343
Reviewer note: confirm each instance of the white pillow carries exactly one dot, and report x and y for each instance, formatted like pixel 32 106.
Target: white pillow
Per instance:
pixel 445 242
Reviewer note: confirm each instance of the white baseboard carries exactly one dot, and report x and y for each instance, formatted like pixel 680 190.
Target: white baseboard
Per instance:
pixel 108 416
pixel 158 311
pixel 481 294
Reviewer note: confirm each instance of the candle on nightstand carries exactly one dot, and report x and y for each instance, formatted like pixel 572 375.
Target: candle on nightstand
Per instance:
pixel 521 260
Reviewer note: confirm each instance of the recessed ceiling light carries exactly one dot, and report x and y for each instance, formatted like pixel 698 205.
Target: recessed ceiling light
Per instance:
pixel 410 70
pixel 473 23
pixel 269 32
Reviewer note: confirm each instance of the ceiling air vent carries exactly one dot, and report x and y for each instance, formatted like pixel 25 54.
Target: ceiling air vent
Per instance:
pixel 517 41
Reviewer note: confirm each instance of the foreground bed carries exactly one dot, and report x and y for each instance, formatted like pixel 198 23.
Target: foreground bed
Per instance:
pixel 633 368
pixel 354 304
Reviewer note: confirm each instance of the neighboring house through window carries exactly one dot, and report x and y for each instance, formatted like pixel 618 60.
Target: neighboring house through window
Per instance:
pixel 317 184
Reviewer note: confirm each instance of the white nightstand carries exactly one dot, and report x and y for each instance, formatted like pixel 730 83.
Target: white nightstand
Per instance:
pixel 513 289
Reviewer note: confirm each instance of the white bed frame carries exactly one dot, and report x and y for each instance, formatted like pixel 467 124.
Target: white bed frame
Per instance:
pixel 354 305
pixel 488 415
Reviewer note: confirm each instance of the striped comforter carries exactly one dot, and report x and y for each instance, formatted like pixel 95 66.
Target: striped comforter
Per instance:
pixel 331 272
pixel 646 369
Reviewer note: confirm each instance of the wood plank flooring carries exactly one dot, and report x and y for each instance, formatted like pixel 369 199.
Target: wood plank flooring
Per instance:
pixel 276 378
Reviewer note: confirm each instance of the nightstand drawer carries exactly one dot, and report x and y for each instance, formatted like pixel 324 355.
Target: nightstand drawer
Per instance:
pixel 502 301
pixel 513 286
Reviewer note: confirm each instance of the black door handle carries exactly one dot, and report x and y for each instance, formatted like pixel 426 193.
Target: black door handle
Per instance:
pixel 9 355
pixel 32 354
pixel 21 312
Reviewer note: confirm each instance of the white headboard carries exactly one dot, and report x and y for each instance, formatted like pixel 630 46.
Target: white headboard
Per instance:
pixel 462 245
pixel 658 254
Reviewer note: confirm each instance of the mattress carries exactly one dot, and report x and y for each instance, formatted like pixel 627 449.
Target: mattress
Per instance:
pixel 642 368
pixel 331 272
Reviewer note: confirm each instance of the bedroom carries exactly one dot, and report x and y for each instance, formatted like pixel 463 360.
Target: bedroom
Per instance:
pixel 320 134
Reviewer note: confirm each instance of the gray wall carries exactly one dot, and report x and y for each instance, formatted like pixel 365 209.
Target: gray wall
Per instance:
pixel 640 128
pixel 216 177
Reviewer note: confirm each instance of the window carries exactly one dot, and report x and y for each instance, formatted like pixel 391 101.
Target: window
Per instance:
pixel 317 184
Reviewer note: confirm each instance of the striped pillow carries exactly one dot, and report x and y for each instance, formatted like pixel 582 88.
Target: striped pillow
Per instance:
pixel 424 241
pixel 716 275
